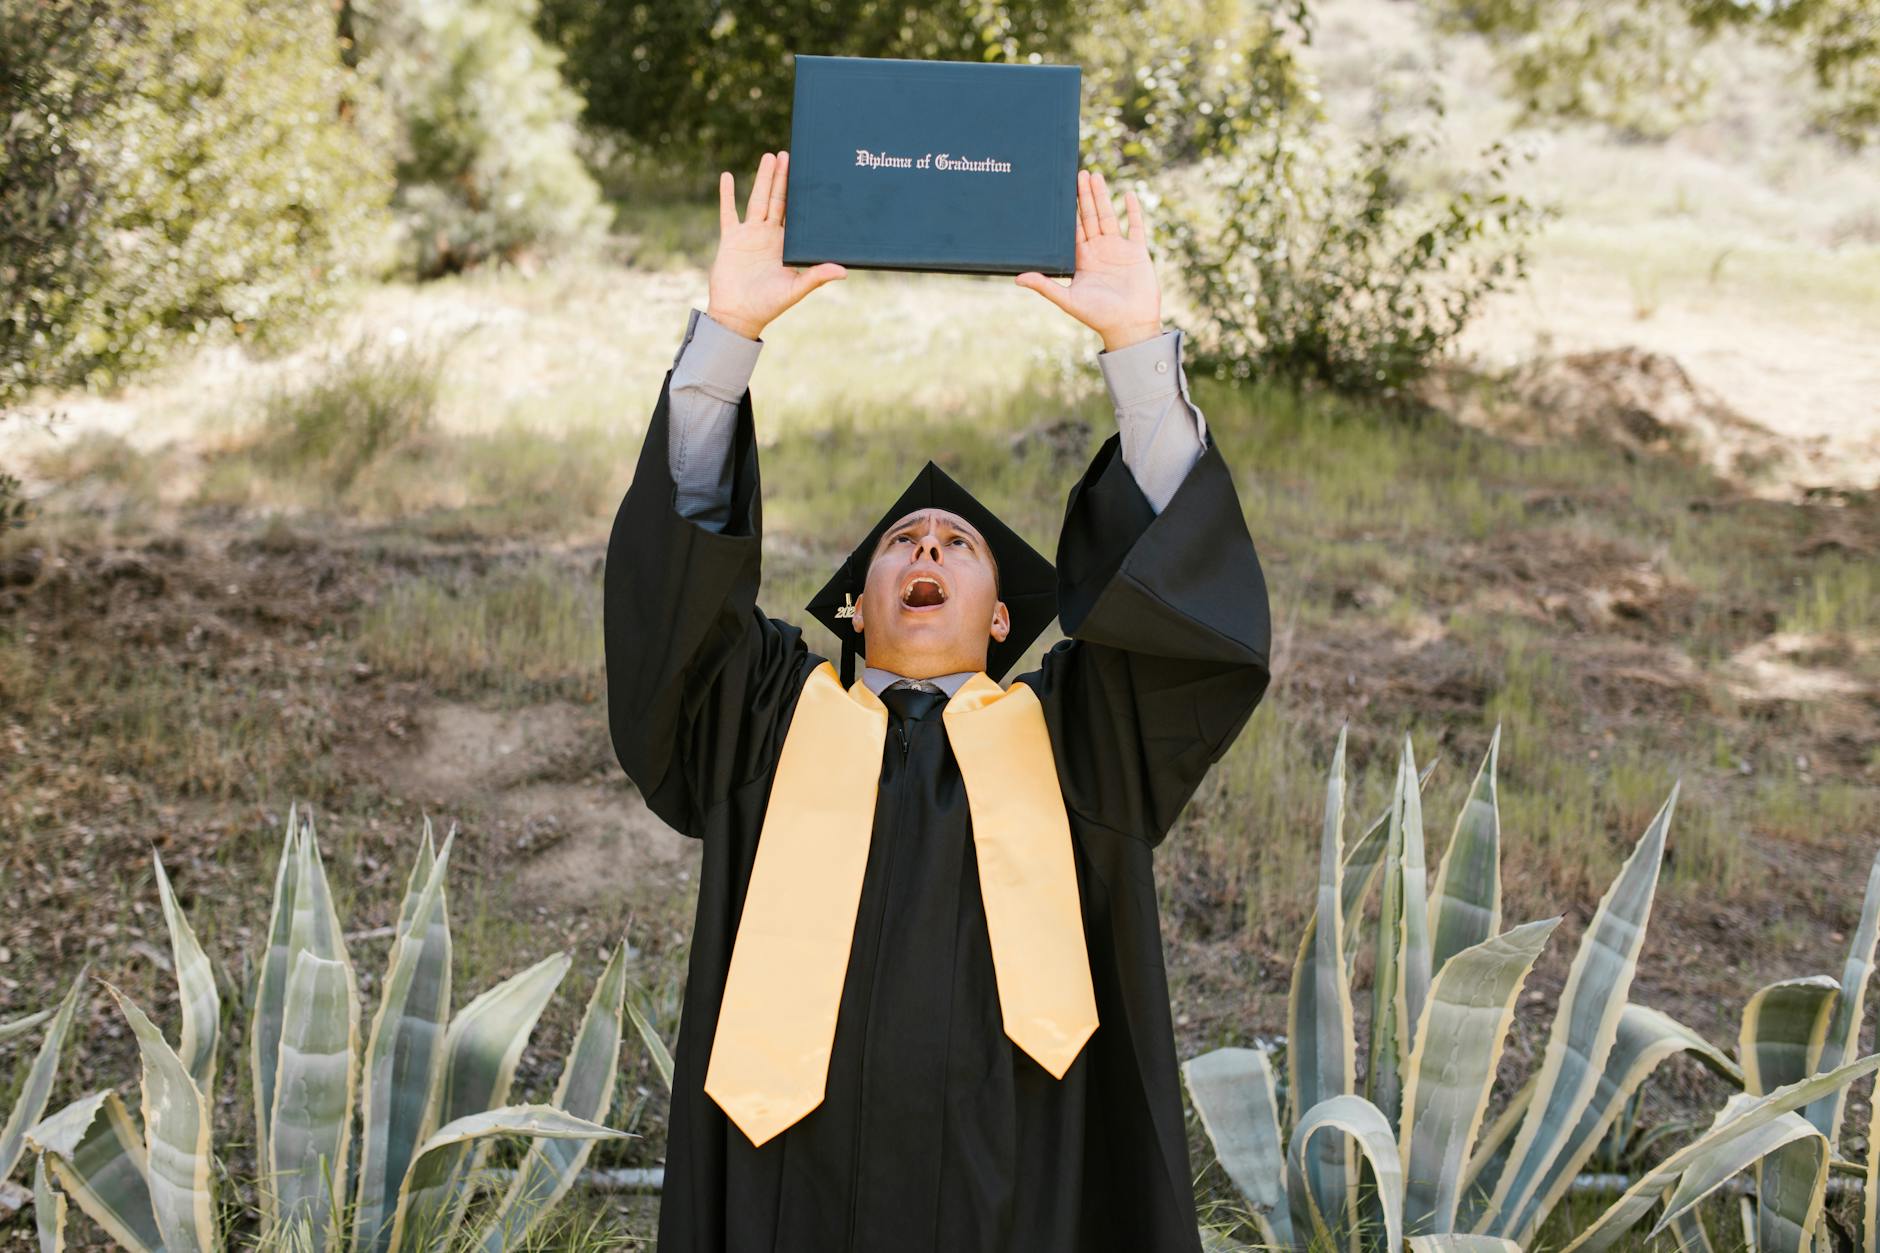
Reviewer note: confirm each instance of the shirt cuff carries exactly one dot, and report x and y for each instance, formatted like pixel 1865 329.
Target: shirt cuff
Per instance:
pixel 714 359
pixel 1163 433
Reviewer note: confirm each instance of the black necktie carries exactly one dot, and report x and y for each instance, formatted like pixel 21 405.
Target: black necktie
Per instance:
pixel 912 699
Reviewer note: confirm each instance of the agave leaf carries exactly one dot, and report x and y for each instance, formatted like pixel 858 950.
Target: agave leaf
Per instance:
pixel 177 1129
pixel 264 1028
pixel 1321 1061
pixel 1585 1024
pixel 195 986
pixel 662 1056
pixel 1784 1028
pixel 1792 1185
pixel 429 1189
pixel 1645 1039
pixel 1233 1091
pixel 1365 1124
pixel 1491 1156
pixel 481 1050
pixel 1413 982
pixel 313 1098
pixel 1452 1070
pixel 586 1090
pixel 1451 1242
pixel 1750 1114
pixel 1465 904
pixel 95 1156
pixel 32 1099
pixel 1712 1168
pixel 1850 1009
pixel 20 1026
pixel 420 876
pixel 48 1210
pixel 404 1067
pixel 1364 866
pixel 1383 1079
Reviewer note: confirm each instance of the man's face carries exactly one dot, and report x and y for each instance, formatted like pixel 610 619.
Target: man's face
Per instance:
pixel 931 604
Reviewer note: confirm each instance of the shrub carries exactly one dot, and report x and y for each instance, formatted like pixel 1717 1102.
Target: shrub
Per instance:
pixel 487 158
pixel 701 84
pixel 191 169
pixel 1304 254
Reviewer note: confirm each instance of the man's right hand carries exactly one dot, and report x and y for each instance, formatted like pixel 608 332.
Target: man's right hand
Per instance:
pixel 750 284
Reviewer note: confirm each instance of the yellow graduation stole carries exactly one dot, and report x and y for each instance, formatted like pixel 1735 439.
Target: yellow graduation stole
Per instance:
pixel 777 1023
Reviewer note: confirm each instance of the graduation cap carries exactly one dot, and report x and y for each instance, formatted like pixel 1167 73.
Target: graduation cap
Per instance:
pixel 1027 582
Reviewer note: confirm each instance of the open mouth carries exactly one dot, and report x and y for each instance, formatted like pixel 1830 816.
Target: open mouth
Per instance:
pixel 923 592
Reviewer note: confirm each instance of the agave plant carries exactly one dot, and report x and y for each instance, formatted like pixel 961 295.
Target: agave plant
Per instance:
pixel 1340 1169
pixel 38 1089
pixel 430 1089
pixel 1794 1029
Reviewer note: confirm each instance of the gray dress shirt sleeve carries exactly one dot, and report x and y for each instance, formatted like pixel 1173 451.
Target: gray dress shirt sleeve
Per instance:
pixel 1163 433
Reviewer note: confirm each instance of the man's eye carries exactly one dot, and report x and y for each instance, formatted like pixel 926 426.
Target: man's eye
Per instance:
pixel 960 540
pixel 903 539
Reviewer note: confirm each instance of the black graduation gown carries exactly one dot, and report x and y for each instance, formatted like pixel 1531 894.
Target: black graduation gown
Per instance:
pixel 937 1134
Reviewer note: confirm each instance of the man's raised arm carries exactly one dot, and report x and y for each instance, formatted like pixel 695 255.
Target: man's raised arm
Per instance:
pixel 699 681
pixel 1159 587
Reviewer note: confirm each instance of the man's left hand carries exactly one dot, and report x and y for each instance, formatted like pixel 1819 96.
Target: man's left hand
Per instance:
pixel 1114 290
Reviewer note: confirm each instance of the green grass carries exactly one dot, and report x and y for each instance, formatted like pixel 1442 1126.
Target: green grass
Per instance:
pixel 533 628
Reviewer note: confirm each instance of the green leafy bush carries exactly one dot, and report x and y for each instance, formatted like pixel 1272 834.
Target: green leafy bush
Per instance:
pixel 487 158
pixel 188 169
pixel 704 85
pixel 1306 253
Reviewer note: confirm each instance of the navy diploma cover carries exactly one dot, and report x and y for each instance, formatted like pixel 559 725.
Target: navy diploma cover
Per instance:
pixel 955 166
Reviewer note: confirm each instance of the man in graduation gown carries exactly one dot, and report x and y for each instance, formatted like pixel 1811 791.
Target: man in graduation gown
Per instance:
pixel 857 950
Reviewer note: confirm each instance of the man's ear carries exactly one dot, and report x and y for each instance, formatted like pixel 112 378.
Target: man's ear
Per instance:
pixel 855 621
pixel 1001 622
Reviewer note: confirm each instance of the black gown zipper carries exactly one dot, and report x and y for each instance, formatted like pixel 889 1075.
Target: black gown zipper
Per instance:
pixel 874 969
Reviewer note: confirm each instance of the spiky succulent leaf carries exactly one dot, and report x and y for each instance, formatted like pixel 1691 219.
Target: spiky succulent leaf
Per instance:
pixel 430 1189
pixel 1850 1009
pixel 404 1066
pixel 1451 1242
pixel 195 987
pixel 1452 1069
pixel 586 1090
pixel 48 1210
pixel 1364 866
pixel 655 1047
pixel 1465 904
pixel 1356 1119
pixel 1383 1078
pixel 31 1102
pixel 96 1158
pixel 264 1027
pixel 313 1099
pixel 1786 1229
pixel 1750 1114
pixel 1584 1026
pixel 1321 1059
pixel 1233 1092
pixel 481 1049
pixel 1784 1028
pixel 1646 1038
pixel 177 1130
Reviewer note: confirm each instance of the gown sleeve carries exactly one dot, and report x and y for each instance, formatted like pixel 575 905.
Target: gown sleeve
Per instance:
pixel 1168 635
pixel 700 683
